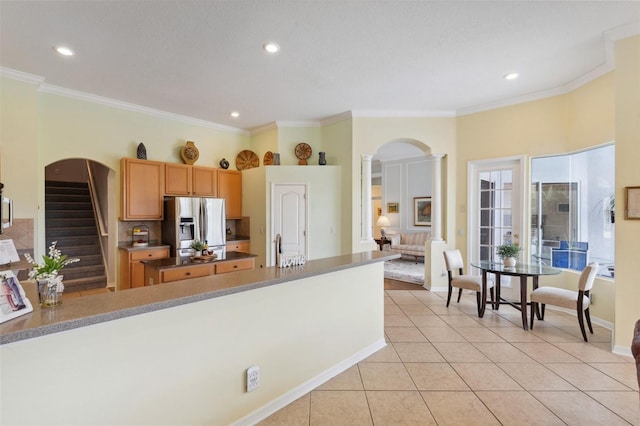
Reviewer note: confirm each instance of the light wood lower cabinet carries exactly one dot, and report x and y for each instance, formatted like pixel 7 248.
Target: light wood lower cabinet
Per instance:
pixel 131 268
pixel 234 265
pixel 241 246
pixel 158 276
pixel 176 274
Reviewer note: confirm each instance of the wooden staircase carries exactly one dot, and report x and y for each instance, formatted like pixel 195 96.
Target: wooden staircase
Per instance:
pixel 69 220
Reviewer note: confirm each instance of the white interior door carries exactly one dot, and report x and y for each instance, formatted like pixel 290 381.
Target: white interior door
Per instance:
pixel 289 215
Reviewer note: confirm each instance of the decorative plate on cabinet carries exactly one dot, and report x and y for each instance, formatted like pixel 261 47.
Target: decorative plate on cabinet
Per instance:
pixel 268 158
pixel 247 160
pixel 303 152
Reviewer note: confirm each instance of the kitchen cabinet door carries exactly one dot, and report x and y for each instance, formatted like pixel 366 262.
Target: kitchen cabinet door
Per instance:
pixel 131 268
pixel 230 188
pixel 234 265
pixel 205 181
pixel 178 179
pixel 241 246
pixel 142 189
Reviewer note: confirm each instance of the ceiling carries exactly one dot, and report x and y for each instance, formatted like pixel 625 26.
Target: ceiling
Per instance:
pixel 204 59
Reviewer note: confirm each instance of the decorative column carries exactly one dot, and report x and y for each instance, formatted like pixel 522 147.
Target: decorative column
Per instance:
pixel 365 204
pixel 436 198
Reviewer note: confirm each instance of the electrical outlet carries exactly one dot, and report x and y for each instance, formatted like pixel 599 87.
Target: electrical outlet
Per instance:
pixel 253 378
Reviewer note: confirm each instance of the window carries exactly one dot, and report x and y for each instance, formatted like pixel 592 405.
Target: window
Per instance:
pixel 573 209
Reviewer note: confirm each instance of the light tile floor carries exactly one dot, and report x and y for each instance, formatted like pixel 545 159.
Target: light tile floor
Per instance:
pixel 446 366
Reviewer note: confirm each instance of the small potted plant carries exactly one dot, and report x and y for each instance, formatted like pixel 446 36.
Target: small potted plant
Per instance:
pixel 198 246
pixel 508 253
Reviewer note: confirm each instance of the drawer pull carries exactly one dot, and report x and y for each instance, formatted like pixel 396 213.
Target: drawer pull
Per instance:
pixel 235 266
pixel 188 273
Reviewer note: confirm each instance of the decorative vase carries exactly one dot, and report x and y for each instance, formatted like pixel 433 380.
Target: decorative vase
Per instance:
pixel 323 159
pixel 509 262
pixel 49 294
pixel 276 159
pixel 142 152
pixel 189 153
pixel 224 163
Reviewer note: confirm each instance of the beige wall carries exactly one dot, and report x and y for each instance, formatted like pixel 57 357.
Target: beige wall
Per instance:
pixel 627 124
pixel 337 142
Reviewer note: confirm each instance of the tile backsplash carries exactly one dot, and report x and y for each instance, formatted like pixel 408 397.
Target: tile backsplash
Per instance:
pixel 21 232
pixel 125 229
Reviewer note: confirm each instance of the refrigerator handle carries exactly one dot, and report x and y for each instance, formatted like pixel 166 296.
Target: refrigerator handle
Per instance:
pixel 9 222
pixel 202 211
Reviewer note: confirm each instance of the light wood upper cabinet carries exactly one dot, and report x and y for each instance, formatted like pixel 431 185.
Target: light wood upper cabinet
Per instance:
pixel 184 180
pixel 178 179
pixel 205 181
pixel 230 188
pixel 142 189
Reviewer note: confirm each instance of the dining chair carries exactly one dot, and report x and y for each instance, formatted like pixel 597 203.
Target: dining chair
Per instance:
pixel 578 300
pixel 453 261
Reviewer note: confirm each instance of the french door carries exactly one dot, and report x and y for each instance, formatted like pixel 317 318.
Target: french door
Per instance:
pixel 495 198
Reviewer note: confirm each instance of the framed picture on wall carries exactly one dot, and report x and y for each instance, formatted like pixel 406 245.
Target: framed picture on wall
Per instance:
pixel 422 211
pixel 632 202
pixel 392 208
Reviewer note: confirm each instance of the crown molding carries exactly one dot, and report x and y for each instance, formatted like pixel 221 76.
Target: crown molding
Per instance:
pixel 512 101
pixel 402 114
pixel 610 37
pixel 36 80
pixel 347 115
pixel 114 103
pixel 269 126
pixel 307 123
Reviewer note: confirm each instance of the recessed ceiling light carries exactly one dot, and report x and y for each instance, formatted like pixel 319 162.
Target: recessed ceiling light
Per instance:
pixel 271 47
pixel 511 76
pixel 65 51
pixel 234 114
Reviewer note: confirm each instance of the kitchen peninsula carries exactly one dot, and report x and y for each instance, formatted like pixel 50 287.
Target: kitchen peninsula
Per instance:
pixel 181 349
pixel 189 267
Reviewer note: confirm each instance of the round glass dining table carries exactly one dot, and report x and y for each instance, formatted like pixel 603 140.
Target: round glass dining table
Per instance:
pixel 522 270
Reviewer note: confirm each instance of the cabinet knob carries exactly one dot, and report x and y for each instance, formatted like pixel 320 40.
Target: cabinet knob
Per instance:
pixel 188 273
pixel 150 254
pixel 235 266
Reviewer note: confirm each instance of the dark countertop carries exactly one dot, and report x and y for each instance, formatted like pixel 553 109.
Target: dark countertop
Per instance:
pixel 152 245
pixel 173 262
pixel 95 309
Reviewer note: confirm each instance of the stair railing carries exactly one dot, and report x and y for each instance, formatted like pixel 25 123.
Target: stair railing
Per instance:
pixel 98 215
pixel 95 201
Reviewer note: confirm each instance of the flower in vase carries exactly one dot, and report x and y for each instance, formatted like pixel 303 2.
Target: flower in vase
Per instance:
pixel 51 266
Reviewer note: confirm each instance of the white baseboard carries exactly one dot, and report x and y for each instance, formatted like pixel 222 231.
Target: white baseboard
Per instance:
pixel 299 391
pixel 438 289
pixel 595 320
pixel 622 350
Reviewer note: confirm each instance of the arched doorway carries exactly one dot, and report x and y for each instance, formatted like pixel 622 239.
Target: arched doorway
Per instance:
pixel 76 217
pixel 400 172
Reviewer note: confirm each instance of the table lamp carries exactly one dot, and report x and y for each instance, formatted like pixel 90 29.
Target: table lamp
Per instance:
pixel 383 222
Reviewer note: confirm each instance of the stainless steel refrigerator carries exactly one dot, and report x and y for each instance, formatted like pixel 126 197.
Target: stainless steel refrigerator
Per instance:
pixel 187 219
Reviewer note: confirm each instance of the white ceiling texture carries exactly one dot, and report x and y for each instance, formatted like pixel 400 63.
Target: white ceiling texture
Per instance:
pixel 204 59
